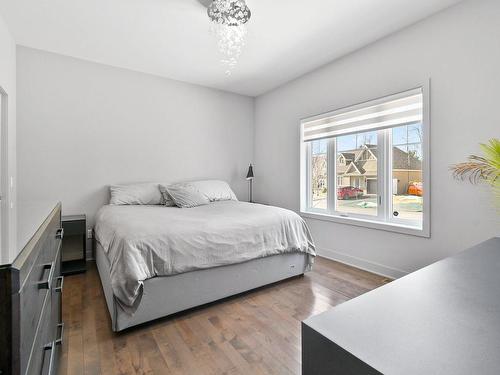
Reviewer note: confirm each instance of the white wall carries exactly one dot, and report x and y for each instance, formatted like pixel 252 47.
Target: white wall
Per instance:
pixel 83 126
pixel 459 50
pixel 8 84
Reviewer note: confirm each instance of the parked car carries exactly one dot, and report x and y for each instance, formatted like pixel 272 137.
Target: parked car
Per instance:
pixel 348 192
pixel 415 188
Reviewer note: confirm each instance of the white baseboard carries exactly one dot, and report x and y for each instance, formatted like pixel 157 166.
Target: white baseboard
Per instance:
pixel 363 264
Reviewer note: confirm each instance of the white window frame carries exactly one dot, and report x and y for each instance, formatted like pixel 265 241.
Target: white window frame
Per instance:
pixel 384 219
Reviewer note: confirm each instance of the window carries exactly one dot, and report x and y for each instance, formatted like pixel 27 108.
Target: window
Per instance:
pixel 407 191
pixel 355 193
pixel 319 174
pixel 366 164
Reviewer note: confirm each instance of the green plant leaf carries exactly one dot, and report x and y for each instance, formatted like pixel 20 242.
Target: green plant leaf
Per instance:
pixel 482 168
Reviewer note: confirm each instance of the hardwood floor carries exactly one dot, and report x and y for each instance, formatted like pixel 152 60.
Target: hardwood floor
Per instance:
pixel 254 333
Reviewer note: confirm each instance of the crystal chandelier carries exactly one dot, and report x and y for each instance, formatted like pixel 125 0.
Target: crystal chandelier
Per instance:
pixel 228 23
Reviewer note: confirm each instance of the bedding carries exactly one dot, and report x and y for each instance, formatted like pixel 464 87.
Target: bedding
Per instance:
pixel 215 190
pixel 186 195
pixel 142 242
pixel 136 194
pixel 166 198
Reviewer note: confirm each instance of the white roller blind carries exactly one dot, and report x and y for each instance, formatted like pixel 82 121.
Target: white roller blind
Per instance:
pixel 399 109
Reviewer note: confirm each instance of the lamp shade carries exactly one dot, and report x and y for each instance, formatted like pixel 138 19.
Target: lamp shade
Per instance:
pixel 250 172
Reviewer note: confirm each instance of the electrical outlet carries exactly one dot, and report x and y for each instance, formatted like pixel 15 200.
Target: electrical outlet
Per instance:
pixel 89 234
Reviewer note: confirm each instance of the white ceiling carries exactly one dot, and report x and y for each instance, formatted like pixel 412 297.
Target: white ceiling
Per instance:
pixel 171 38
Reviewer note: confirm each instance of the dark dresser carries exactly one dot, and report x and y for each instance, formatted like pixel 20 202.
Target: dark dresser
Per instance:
pixel 30 296
pixel 443 319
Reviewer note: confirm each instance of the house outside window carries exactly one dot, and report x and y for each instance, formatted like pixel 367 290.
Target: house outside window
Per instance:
pixel 368 164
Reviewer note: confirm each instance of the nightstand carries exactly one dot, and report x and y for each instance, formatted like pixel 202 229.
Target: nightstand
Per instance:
pixel 74 244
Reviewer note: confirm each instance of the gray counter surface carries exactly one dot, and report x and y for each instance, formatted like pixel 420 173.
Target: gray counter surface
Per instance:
pixel 442 319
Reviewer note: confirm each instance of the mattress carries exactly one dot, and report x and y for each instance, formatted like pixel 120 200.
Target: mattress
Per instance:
pixel 166 295
pixel 142 242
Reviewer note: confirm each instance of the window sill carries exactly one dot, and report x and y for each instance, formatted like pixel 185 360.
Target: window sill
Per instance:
pixel 372 224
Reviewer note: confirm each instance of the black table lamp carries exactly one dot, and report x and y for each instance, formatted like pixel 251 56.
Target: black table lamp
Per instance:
pixel 250 178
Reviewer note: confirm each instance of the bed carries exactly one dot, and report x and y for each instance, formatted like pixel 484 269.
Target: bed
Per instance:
pixel 154 261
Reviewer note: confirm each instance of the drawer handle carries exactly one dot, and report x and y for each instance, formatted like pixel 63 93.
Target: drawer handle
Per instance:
pixel 59 284
pixel 47 283
pixel 52 348
pixel 59 341
pixel 60 233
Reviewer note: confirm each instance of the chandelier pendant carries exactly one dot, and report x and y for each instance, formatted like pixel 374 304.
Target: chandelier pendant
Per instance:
pixel 229 12
pixel 228 24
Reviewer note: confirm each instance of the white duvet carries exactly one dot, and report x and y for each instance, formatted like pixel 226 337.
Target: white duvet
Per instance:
pixel 142 242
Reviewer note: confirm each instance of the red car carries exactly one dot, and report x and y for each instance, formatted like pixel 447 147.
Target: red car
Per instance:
pixel 348 192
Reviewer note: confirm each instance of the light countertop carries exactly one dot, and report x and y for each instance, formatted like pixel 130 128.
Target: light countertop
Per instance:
pixel 30 216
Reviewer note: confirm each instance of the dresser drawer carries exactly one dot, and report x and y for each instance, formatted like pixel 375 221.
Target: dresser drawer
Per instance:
pixel 56 318
pixel 44 353
pixel 37 287
pixel 28 288
pixel 57 289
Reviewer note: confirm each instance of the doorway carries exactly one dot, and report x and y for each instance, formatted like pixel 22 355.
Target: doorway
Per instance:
pixel 4 209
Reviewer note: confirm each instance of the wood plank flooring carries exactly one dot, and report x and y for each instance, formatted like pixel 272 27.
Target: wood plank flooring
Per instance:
pixel 254 333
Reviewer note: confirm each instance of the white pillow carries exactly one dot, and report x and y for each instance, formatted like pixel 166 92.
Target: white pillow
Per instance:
pixel 167 199
pixel 215 190
pixel 136 194
pixel 186 195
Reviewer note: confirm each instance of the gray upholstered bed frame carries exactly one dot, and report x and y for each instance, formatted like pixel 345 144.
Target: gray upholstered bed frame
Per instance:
pixel 166 295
